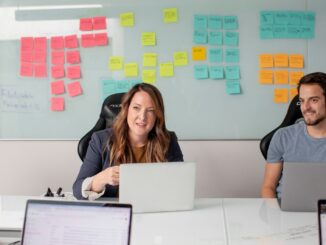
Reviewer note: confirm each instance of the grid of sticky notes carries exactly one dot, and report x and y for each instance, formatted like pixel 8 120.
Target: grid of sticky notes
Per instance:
pixel 217 39
pixel 281 69
pixel 287 25
pixel 94 36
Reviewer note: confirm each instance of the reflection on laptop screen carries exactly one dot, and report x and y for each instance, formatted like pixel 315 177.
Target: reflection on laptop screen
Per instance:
pixel 49 223
pixel 322 219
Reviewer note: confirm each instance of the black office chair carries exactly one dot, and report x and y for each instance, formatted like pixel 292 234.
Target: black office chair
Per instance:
pixel 110 108
pixel 292 115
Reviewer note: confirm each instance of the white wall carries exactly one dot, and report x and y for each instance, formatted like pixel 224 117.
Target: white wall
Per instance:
pixel 224 168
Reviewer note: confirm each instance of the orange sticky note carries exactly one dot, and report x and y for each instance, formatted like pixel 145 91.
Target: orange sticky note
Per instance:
pixel 293 92
pixel 57 42
pixel 40 43
pixel 26 56
pixel 281 77
pixel 86 24
pixel 295 77
pixel 57 87
pixel 40 70
pixel 266 61
pixel 296 61
pixel 99 23
pixel 87 40
pixel 57 104
pixel 26 44
pixel 281 95
pixel 265 77
pixel 74 89
pixel 73 72
pixel 71 41
pixel 281 60
pixel 198 53
pixel 57 71
pixel 39 56
pixel 73 57
pixel 100 39
pixel 26 69
pixel 57 57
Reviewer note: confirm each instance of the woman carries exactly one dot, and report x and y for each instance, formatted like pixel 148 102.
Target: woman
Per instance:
pixel 138 135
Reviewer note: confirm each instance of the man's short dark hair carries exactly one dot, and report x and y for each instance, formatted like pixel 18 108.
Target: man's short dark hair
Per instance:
pixel 318 78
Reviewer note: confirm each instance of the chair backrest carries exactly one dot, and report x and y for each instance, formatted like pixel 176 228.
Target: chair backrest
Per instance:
pixel 110 108
pixel 292 115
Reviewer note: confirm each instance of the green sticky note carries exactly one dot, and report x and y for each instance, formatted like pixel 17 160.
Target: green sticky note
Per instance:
pixel 216 72
pixel 148 39
pixel 215 38
pixel 308 18
pixel 232 72
pixel 281 18
pixel 266 32
pixel 200 36
pixel 166 69
pixel 266 18
pixel 295 18
pixel 149 59
pixel 200 22
pixel 231 55
pixel 231 38
pixel 215 55
pixel 307 32
pixel 230 22
pixel 201 71
pixel 280 31
pixel 233 87
pixel 131 70
pixel 215 22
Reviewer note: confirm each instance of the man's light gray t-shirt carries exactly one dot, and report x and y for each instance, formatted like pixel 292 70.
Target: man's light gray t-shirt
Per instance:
pixel 294 144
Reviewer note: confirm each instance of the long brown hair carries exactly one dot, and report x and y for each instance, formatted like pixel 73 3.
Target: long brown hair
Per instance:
pixel 158 138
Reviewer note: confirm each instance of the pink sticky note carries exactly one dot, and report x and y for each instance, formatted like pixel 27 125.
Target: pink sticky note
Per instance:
pixel 57 104
pixel 57 57
pixel 26 44
pixel 26 56
pixel 73 72
pixel 101 39
pixel 57 87
pixel 86 24
pixel 73 57
pixel 57 71
pixel 57 42
pixel 40 56
pixel 26 70
pixel 99 23
pixel 40 70
pixel 74 89
pixel 87 40
pixel 40 43
pixel 71 41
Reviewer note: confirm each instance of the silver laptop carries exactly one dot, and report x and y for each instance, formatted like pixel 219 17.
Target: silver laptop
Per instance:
pixel 303 184
pixel 158 187
pixel 62 222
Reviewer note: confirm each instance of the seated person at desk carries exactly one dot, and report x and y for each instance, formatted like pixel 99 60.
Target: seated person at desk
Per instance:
pixel 304 141
pixel 138 135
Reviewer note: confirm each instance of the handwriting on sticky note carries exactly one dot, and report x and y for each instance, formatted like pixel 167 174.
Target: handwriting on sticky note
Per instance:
pixel 131 69
pixel 87 40
pixel 57 87
pixel 281 60
pixel 26 56
pixel 232 72
pixel 201 71
pixel 74 89
pixel 281 77
pixel 115 63
pixel 149 76
pixel 281 95
pixel 71 41
pixel 180 58
pixel 233 87
pixel 26 69
pixel 296 61
pixel 150 59
pixel 215 55
pixel 266 61
pixel 57 42
pixel 216 72
pixel 148 39
pixel 73 72
pixel 295 77
pixel 232 55
pixel 127 19
pixel 40 70
pixel 39 56
pixel 198 53
pixel 57 57
pixel 100 39
pixel 57 71
pixel 86 24
pixel 266 77
pixel 73 57
pixel 57 104
pixel 170 15
pixel 166 69
pixel 40 43
pixel 26 44
pixel 99 23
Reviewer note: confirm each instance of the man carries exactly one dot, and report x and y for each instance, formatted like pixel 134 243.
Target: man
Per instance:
pixel 302 142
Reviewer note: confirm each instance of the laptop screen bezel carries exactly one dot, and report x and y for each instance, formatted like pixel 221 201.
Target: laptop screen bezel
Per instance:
pixel 320 203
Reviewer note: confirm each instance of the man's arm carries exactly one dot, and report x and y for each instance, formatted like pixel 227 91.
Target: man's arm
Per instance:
pixel 272 176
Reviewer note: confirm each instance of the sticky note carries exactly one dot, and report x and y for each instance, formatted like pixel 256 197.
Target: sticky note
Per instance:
pixel 281 18
pixel 26 69
pixel 293 92
pixel 127 19
pixel 231 38
pixel 57 57
pixel 200 22
pixel 149 76
pixel 71 41
pixel 266 18
pixel 86 24
pixel 198 53
pixel 87 40
pixel 215 38
pixel 40 71
pixel 230 22
pixel 166 69
pixel 39 56
pixel 266 61
pixel 57 87
pixel 170 15
pixel 73 72
pixel 266 77
pixel 180 58
pixel 215 22
pixel 99 23
pixel 232 55
pixel 281 60
pixel 232 72
pixel 215 55
pixel 150 59
pixel 74 89
pixel 296 61
pixel 73 57
pixel 308 19
pixel 57 42
pixel 40 43
pixel 281 77
pixel 295 18
pixel 266 32
pixel 280 31
pixel 200 36
pixel 281 95
pixel 131 69
pixel 201 71
pixel 57 104
pixel 26 44
pixel 26 56
pixel 232 87
pixel 216 72
pixel 57 71
pixel 100 39
pixel 307 32
pixel 148 39
pixel 295 77
pixel 115 63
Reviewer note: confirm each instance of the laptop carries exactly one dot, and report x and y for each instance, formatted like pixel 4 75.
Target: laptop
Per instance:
pixel 83 222
pixel 158 187
pixel 322 221
pixel 303 184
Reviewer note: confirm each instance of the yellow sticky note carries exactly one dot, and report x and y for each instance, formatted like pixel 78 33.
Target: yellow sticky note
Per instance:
pixel 296 61
pixel 131 70
pixel 281 60
pixel 148 39
pixel 170 15
pixel 115 63
pixel 180 58
pixel 265 77
pixel 150 59
pixel 149 76
pixel 266 61
pixel 281 95
pixel 281 77
pixel 293 92
pixel 127 19
pixel 198 53
pixel 295 77
pixel 166 69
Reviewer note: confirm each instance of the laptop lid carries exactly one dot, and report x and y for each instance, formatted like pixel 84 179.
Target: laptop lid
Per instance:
pixel 303 184
pixel 322 221
pixel 63 222
pixel 158 187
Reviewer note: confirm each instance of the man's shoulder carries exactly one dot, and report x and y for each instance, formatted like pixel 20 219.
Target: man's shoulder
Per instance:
pixel 292 129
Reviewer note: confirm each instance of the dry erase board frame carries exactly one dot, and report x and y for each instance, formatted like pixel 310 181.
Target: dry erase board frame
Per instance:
pixel 195 109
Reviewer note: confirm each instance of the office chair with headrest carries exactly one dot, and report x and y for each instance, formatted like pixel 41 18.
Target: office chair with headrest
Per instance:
pixel 293 114
pixel 110 108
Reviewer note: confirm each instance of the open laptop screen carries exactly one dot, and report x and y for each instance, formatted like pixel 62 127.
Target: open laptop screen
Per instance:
pixel 322 221
pixel 59 222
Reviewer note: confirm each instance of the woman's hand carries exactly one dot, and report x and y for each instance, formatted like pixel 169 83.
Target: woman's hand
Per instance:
pixel 107 176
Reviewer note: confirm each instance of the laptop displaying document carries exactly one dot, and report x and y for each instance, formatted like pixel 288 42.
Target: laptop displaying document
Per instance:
pixel 62 222
pixel 322 221
pixel 158 187
pixel 303 184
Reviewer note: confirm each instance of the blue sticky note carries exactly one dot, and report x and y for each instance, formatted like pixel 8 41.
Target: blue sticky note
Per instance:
pixel 215 38
pixel 266 18
pixel 266 32
pixel 215 22
pixel 111 86
pixel 233 87
pixel 280 31
pixel 232 72
pixel 216 72
pixel 281 18
pixel 215 55
pixel 293 31
pixel 201 71
pixel 231 55
pixel 307 32
pixel 295 18
pixel 200 22
pixel 308 18
pixel 231 38
pixel 200 37
pixel 230 22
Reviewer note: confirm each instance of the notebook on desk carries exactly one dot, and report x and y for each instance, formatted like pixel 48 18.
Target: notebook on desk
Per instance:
pixel 158 187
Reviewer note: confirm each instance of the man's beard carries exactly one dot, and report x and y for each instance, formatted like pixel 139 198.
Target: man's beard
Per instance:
pixel 314 122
